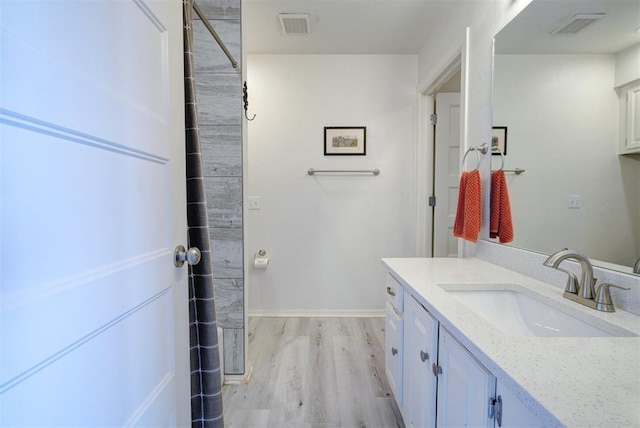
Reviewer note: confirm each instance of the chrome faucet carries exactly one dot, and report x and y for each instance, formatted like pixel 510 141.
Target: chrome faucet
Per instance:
pixel 584 291
pixel 586 283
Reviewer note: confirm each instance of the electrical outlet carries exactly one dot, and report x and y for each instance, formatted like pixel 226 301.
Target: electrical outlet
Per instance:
pixel 575 201
pixel 253 202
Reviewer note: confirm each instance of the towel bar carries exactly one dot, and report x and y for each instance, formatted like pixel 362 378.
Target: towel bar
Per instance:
pixel 375 171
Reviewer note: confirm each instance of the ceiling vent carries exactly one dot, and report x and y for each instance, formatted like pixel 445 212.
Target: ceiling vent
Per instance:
pixel 294 23
pixel 577 23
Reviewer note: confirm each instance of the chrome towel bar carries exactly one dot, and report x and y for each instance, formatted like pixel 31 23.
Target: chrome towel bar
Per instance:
pixel 517 171
pixel 375 171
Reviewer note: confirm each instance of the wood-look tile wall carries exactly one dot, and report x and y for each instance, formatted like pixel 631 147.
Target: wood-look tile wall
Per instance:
pixel 219 92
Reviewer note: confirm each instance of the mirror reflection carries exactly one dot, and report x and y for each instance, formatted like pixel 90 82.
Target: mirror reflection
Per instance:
pixel 562 93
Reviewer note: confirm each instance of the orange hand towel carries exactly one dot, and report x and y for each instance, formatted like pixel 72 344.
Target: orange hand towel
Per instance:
pixel 501 223
pixel 469 210
pixel 458 225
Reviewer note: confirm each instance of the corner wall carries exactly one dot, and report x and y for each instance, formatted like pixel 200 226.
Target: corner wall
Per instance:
pixel 325 235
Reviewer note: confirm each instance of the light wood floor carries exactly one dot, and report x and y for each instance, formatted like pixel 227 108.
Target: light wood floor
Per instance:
pixel 314 372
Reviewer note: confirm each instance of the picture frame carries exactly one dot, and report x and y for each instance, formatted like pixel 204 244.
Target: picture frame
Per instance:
pixel 499 140
pixel 345 140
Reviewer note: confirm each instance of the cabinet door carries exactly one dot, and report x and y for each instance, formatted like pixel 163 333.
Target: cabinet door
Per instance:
pixel 393 352
pixel 420 351
pixel 514 413
pixel 464 386
pixel 632 134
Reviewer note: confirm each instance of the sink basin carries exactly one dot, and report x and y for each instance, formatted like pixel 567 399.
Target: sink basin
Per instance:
pixel 517 313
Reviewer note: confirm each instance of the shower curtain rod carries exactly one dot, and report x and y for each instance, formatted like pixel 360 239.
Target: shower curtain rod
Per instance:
pixel 206 23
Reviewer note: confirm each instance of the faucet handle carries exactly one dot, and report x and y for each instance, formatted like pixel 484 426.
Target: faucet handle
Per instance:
pixel 572 282
pixel 603 297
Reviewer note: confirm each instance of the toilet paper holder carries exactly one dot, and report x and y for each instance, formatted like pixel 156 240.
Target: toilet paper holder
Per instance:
pixel 260 261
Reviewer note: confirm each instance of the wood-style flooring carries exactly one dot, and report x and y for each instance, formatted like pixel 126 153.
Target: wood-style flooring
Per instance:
pixel 314 372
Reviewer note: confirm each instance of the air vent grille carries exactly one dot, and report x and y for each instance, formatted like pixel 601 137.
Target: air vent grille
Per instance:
pixel 577 23
pixel 294 23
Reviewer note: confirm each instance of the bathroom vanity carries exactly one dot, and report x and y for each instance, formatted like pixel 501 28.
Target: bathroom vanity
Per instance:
pixel 497 348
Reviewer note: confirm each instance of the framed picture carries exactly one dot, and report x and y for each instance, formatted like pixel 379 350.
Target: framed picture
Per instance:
pixel 499 140
pixel 345 140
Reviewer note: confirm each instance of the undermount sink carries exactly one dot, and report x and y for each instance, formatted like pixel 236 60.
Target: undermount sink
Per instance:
pixel 517 313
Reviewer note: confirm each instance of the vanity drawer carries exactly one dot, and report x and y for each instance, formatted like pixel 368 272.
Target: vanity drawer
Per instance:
pixel 395 293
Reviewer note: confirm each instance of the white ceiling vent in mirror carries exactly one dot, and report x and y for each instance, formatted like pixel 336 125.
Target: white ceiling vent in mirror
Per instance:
pixel 577 23
pixel 294 23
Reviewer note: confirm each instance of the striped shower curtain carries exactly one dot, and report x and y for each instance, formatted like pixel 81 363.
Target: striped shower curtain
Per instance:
pixel 206 392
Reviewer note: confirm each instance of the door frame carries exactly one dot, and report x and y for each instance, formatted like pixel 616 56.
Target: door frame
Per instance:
pixel 457 59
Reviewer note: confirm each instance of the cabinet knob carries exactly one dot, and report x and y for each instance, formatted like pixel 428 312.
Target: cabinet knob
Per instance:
pixel 394 351
pixel 436 369
pixel 390 292
pixel 424 356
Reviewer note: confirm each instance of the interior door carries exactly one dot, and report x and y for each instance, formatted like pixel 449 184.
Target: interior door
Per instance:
pixel 93 312
pixel 447 173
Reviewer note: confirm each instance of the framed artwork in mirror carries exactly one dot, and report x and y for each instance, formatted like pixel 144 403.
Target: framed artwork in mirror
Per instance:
pixel 499 140
pixel 345 140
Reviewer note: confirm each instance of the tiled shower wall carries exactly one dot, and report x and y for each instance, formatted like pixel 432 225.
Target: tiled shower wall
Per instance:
pixel 219 92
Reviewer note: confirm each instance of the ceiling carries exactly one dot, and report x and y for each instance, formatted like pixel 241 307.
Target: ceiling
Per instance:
pixel 402 26
pixel 529 32
pixel 341 26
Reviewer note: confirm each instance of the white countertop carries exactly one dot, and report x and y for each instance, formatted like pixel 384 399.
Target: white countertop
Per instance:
pixel 578 381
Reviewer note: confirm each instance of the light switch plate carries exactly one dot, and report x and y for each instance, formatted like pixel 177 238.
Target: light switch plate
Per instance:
pixel 575 201
pixel 253 202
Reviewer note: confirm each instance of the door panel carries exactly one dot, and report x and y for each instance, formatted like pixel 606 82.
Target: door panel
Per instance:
pixel 93 314
pixel 421 335
pixel 464 387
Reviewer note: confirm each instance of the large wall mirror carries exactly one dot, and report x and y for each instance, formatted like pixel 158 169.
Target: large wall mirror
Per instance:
pixel 559 94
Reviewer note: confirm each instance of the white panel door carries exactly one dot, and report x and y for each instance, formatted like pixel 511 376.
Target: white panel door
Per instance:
pixel 420 351
pixel 464 386
pixel 447 173
pixel 93 313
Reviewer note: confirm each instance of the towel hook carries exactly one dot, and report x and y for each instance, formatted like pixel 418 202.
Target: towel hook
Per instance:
pixel 245 100
pixel 497 149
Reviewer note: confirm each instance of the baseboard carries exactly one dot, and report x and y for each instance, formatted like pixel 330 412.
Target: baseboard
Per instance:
pixel 315 313
pixel 242 379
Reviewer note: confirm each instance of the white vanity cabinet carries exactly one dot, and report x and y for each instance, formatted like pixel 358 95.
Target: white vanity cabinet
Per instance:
pixel 465 387
pixel 420 351
pixel 394 337
pixel 435 380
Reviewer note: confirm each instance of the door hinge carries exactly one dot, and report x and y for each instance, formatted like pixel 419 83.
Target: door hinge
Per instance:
pixel 495 409
pixel 432 201
pixel 433 119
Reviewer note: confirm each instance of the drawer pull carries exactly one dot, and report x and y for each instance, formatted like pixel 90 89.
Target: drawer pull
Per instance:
pixel 424 356
pixel 394 351
pixel 390 292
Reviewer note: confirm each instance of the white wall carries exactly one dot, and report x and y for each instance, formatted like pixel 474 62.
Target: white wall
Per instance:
pixel 564 132
pixel 325 234
pixel 627 66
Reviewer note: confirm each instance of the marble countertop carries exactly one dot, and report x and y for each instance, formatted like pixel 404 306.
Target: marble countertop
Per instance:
pixel 571 381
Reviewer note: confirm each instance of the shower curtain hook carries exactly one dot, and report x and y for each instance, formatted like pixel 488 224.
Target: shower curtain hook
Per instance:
pixel 245 100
